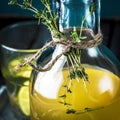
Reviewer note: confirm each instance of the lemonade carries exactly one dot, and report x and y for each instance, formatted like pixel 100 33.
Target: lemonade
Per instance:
pixel 23 99
pixel 17 81
pixel 98 99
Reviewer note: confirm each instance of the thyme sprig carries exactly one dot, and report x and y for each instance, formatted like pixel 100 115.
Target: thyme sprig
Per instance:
pixel 47 16
pixel 50 19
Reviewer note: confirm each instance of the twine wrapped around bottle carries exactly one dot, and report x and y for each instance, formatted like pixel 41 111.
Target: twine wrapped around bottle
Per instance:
pixel 92 40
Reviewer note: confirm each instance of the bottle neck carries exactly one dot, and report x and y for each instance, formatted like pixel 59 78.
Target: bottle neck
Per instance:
pixel 77 13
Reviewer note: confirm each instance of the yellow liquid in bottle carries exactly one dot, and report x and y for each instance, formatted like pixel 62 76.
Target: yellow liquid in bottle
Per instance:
pixel 97 99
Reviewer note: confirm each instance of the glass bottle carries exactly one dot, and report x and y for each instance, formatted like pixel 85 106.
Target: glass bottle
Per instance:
pixel 57 94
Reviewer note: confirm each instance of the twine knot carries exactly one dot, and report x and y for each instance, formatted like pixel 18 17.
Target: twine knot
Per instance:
pixel 91 40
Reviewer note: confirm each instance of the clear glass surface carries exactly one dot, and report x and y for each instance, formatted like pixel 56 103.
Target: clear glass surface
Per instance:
pixel 97 99
pixel 102 101
pixel 71 13
pixel 17 42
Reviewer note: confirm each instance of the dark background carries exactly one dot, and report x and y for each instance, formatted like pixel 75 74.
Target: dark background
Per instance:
pixel 109 8
pixel 110 20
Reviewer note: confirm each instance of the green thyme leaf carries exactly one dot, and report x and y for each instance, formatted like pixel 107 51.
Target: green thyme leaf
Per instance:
pixel 65 86
pixel 70 111
pixel 75 35
pixel 12 2
pixel 63 96
pixel 64 103
pixel 69 90
pixel 79 73
pixel 92 7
